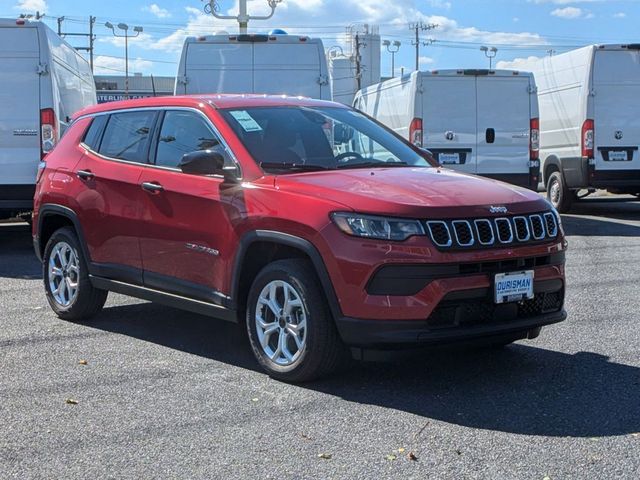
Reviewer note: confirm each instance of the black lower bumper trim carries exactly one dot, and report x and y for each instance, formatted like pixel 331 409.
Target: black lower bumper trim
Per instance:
pixel 396 333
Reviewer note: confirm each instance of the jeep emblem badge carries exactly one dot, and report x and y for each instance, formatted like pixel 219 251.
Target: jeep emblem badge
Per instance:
pixel 618 134
pixel 493 209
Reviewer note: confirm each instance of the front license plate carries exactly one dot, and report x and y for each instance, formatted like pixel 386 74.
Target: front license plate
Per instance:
pixel 618 156
pixel 514 286
pixel 449 158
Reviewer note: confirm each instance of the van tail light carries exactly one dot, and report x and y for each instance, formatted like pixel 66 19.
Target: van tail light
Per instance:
pixel 48 131
pixel 534 139
pixel 588 138
pixel 415 132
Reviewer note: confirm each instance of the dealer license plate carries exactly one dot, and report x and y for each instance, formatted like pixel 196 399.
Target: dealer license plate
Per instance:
pixel 513 286
pixel 618 156
pixel 449 158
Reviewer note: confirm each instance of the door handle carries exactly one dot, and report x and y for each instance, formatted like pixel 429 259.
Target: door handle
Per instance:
pixel 152 187
pixel 490 135
pixel 85 174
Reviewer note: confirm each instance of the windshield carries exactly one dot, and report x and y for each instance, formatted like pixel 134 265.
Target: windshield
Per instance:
pixel 291 138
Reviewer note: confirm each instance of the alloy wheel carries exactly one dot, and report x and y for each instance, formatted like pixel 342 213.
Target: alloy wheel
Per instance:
pixel 64 274
pixel 281 322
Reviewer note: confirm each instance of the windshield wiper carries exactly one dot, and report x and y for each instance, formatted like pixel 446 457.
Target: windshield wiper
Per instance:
pixel 297 167
pixel 373 164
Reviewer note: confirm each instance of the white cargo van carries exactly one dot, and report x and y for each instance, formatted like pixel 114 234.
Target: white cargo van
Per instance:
pixel 483 122
pixel 248 63
pixel 43 82
pixel 590 120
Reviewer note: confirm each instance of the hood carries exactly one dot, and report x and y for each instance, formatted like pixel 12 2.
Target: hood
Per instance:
pixel 413 192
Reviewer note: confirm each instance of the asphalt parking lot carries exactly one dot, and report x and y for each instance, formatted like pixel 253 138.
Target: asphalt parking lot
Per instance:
pixel 168 394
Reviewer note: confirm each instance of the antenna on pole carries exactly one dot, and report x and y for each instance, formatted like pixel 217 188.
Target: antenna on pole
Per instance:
pixel 243 17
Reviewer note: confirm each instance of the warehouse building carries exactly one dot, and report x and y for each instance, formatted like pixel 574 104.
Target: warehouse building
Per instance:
pixel 111 88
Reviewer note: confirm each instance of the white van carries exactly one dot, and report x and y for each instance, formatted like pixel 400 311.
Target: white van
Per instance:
pixel 590 115
pixel 43 82
pixel 247 63
pixel 483 122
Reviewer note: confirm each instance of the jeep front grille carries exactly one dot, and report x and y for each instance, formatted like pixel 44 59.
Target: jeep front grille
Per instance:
pixel 492 232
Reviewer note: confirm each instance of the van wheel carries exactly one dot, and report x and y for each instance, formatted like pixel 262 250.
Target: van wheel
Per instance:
pixel 558 193
pixel 291 331
pixel 66 280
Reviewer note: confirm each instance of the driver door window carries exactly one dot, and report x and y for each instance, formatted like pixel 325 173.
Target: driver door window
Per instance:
pixel 184 132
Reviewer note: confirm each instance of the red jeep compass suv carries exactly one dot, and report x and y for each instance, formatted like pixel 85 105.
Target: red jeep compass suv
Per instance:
pixel 316 225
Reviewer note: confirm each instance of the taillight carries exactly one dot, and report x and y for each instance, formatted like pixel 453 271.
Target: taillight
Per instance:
pixel 48 131
pixel 588 132
pixel 534 139
pixel 415 132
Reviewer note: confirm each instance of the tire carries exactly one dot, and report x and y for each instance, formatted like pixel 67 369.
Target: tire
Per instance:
pixel 87 300
pixel 318 347
pixel 558 193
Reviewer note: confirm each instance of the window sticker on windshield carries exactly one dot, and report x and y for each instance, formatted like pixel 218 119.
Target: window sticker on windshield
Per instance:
pixel 246 121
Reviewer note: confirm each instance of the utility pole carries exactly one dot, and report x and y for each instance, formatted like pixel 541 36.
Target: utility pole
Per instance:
pixel 243 17
pixel 392 48
pixel 90 36
pixel 417 28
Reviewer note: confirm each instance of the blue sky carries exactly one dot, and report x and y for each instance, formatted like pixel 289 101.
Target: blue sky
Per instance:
pixel 517 28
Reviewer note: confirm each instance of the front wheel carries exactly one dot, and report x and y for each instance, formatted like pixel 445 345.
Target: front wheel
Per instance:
pixel 291 331
pixel 558 193
pixel 66 280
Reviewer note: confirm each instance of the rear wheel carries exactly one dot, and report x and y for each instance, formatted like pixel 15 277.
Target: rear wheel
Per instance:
pixel 291 331
pixel 66 280
pixel 558 193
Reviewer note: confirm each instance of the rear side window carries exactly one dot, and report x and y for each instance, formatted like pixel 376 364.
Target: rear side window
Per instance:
pixel 127 135
pixel 94 132
pixel 183 132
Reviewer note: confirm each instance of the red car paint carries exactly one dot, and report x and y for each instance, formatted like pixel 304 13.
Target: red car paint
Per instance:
pixel 127 226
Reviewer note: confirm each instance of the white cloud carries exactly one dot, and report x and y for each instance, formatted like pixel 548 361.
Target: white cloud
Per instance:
pixel 156 10
pixel 516 63
pixel 105 65
pixel 565 2
pixel 571 13
pixel 516 19
pixel 619 15
pixel 440 4
pixel 425 61
pixel 31 6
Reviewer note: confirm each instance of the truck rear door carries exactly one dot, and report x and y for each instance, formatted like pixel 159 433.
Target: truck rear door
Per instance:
pixel 219 68
pixel 19 105
pixel 287 68
pixel 504 120
pixel 616 101
pixel 449 120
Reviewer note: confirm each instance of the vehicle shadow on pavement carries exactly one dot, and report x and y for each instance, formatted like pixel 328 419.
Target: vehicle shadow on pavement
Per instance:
pixel 17 259
pixel 603 218
pixel 519 389
pixel 180 330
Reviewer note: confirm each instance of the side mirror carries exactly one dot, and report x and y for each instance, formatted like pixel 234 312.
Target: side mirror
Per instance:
pixel 205 162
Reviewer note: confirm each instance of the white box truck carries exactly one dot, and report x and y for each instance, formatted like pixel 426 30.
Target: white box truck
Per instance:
pixel 590 120
pixel 43 82
pixel 254 63
pixel 483 122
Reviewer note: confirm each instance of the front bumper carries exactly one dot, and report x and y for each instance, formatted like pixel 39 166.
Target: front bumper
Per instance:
pixel 394 334
pixel 466 315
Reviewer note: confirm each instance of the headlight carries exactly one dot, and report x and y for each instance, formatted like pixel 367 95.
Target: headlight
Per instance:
pixel 381 228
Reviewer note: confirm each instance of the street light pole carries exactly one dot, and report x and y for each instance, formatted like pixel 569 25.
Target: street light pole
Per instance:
pixel 125 28
pixel 212 7
pixel 396 46
pixel 490 53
